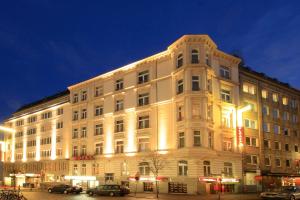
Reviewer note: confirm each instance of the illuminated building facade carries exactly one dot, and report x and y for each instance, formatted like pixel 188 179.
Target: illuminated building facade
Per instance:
pixel 270 155
pixel 187 103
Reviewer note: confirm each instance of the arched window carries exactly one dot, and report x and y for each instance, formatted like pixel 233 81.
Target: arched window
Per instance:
pixel 179 61
pixel 182 168
pixel 144 168
pixel 195 56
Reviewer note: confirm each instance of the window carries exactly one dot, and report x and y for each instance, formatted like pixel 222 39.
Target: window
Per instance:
pixel 287 163
pixel 293 103
pixel 267 144
pixel 83 95
pixel 75 169
pixel 195 83
pixel 75 151
pixel 109 177
pixel 180 113
pixel 265 110
pixel 83 132
pixel 179 61
pixel 119 84
pixel 286 116
pixel 179 86
pixel 276 129
pixel 60 111
pixel 277 145
pixel 275 97
pixel 250 141
pixel 143 144
pixel 278 162
pixel 228 169
pixel 275 113
pixel 144 169
pixel 31 119
pixel 59 125
pixel 119 105
pixel 83 114
pixel 98 91
pixel 75 98
pixel 296 148
pixel 267 161
pixel 98 129
pixel 98 110
pixel 143 99
pixel 266 127
pixel 206 168
pixel 143 122
pixel 75 133
pixel 119 146
pixel 210 140
pixel 250 123
pixel 286 132
pixel 119 126
pixel 209 85
pixel 287 147
pixel 99 149
pixel 209 112
pixel 143 77
pixel 45 141
pixel 197 139
pixel 264 94
pixel 295 133
pixel 285 101
pixel 248 88
pixel 225 72
pixel 195 56
pixel 46 115
pixel 182 168
pixel 207 59
pixel 83 150
pixel 75 115
pixel 31 131
pixel 225 96
pixel 19 122
pixel 251 159
pixel 181 142
pixel 294 118
pixel 227 145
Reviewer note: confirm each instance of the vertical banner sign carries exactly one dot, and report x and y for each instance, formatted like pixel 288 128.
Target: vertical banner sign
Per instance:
pixel 240 136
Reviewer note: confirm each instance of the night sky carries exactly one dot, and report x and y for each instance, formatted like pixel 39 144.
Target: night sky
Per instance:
pixel 47 45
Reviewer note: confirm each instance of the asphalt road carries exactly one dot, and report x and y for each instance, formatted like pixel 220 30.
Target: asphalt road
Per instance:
pixel 47 196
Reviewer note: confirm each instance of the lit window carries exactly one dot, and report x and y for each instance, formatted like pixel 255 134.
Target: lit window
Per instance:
pixel 275 97
pixel 264 94
pixel 179 61
pixel 249 88
pixel 195 57
pixel 285 101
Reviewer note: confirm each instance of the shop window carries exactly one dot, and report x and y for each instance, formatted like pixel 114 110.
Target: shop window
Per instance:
pixel 177 187
pixel 148 186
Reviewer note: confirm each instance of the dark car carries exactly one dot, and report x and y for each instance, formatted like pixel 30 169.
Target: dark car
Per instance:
pixel 62 188
pixel 74 189
pixel 111 190
pixel 289 192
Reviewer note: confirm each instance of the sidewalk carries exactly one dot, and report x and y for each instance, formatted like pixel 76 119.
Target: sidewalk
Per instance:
pixel 197 197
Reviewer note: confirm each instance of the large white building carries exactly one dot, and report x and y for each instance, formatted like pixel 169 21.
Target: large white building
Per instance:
pixel 180 104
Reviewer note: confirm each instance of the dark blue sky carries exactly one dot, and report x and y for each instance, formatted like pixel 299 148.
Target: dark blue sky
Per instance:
pixel 47 45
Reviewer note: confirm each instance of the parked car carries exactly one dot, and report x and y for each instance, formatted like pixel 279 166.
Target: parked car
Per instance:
pixel 62 188
pixel 111 190
pixel 286 192
pixel 289 192
pixel 74 189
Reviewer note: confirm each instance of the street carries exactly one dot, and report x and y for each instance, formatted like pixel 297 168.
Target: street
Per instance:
pixel 37 195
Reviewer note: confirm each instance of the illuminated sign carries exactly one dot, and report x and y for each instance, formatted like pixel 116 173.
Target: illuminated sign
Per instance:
pixel 240 136
pixel 81 178
pixel 207 179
